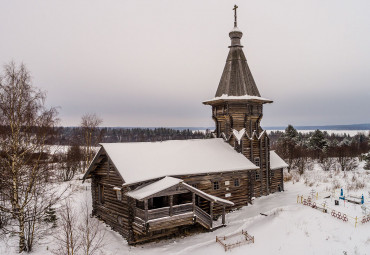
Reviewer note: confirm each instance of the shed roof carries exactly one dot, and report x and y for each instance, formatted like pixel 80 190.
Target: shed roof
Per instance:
pixel 137 162
pixel 276 162
pixel 153 188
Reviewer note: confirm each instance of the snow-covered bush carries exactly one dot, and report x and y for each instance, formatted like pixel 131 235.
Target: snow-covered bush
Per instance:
pixel 335 184
pixel 367 160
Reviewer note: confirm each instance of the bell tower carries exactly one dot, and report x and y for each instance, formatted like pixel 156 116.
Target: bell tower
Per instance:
pixel 237 110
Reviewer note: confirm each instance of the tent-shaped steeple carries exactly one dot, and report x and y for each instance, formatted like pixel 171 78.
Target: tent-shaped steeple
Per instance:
pixel 237 83
pixel 236 79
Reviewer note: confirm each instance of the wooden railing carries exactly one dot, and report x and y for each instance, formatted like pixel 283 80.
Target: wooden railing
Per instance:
pixel 180 209
pixel 164 211
pixel 140 213
pixel 158 213
pixel 203 218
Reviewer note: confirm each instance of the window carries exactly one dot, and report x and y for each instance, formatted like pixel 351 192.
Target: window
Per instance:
pixel 257 161
pixel 216 185
pixel 119 195
pixel 119 220
pixel 272 173
pixel 257 175
pixel 236 183
pixel 101 193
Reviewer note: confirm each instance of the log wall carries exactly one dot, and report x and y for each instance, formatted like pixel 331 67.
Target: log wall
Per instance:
pixel 114 212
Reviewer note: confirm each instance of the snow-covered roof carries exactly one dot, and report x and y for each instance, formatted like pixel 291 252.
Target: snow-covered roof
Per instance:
pixel 225 97
pixel 276 162
pixel 154 188
pixel 138 162
pixel 168 182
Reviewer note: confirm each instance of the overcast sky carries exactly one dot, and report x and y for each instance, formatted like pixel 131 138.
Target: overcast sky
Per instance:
pixel 152 63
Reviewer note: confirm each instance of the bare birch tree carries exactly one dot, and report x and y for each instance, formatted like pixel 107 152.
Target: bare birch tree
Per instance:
pixel 26 124
pixel 92 236
pixel 89 124
pixel 79 233
pixel 68 237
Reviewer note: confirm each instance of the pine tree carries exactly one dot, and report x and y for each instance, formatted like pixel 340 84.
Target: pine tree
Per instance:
pixel 318 142
pixel 287 143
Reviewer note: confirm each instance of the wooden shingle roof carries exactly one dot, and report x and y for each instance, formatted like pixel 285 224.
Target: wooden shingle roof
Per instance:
pixel 237 82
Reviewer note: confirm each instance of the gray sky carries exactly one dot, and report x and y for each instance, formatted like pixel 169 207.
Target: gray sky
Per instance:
pixel 152 63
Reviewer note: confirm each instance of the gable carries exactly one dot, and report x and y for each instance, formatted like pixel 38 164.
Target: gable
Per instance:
pixel 101 162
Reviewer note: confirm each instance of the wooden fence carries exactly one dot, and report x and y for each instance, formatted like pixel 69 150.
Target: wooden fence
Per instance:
pixel 247 240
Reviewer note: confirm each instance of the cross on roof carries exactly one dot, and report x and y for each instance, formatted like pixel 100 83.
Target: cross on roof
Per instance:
pixel 235 22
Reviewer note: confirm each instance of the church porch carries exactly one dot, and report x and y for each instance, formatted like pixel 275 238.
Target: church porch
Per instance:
pixel 176 204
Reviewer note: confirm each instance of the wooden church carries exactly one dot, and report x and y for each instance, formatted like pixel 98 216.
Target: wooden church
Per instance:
pixel 146 191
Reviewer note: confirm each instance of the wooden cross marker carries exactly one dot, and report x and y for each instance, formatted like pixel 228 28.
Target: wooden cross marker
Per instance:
pixel 235 22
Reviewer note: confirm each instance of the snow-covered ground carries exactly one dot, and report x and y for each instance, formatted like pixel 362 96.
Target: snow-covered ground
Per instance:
pixel 289 228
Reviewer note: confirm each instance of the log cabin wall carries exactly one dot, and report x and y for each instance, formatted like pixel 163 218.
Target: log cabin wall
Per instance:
pixel 228 189
pixel 255 146
pixel 107 206
pixel 277 183
pixel 232 186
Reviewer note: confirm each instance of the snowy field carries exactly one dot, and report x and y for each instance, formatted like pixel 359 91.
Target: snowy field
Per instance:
pixel 289 228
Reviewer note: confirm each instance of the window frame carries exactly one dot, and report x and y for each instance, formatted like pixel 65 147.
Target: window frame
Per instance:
pixel 216 185
pixel 119 195
pixel 257 159
pixel 258 177
pixel 237 182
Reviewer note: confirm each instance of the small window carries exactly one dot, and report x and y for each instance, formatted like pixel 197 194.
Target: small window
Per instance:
pixel 257 175
pixel 257 161
pixel 236 182
pixel 119 195
pixel 272 173
pixel 216 185
pixel 120 220
pixel 101 193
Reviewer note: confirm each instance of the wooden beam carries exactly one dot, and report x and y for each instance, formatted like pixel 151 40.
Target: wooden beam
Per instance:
pixel 146 210
pixel 171 204
pixel 193 199
pixel 211 212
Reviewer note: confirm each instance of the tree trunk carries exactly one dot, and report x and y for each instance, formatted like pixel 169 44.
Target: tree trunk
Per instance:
pixel 21 231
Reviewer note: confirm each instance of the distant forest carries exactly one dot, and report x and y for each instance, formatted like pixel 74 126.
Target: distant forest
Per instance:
pixel 75 135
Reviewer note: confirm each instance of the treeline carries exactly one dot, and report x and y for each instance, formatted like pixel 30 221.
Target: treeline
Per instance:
pixel 76 135
pixel 330 150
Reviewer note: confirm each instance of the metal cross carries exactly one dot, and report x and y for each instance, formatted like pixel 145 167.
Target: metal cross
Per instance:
pixel 235 7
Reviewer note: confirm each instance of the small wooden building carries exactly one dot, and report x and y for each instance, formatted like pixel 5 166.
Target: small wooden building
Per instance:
pixel 149 190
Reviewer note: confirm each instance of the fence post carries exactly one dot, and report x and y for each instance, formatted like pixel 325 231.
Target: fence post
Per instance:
pixel 297 198
pixel 301 199
pixel 356 222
